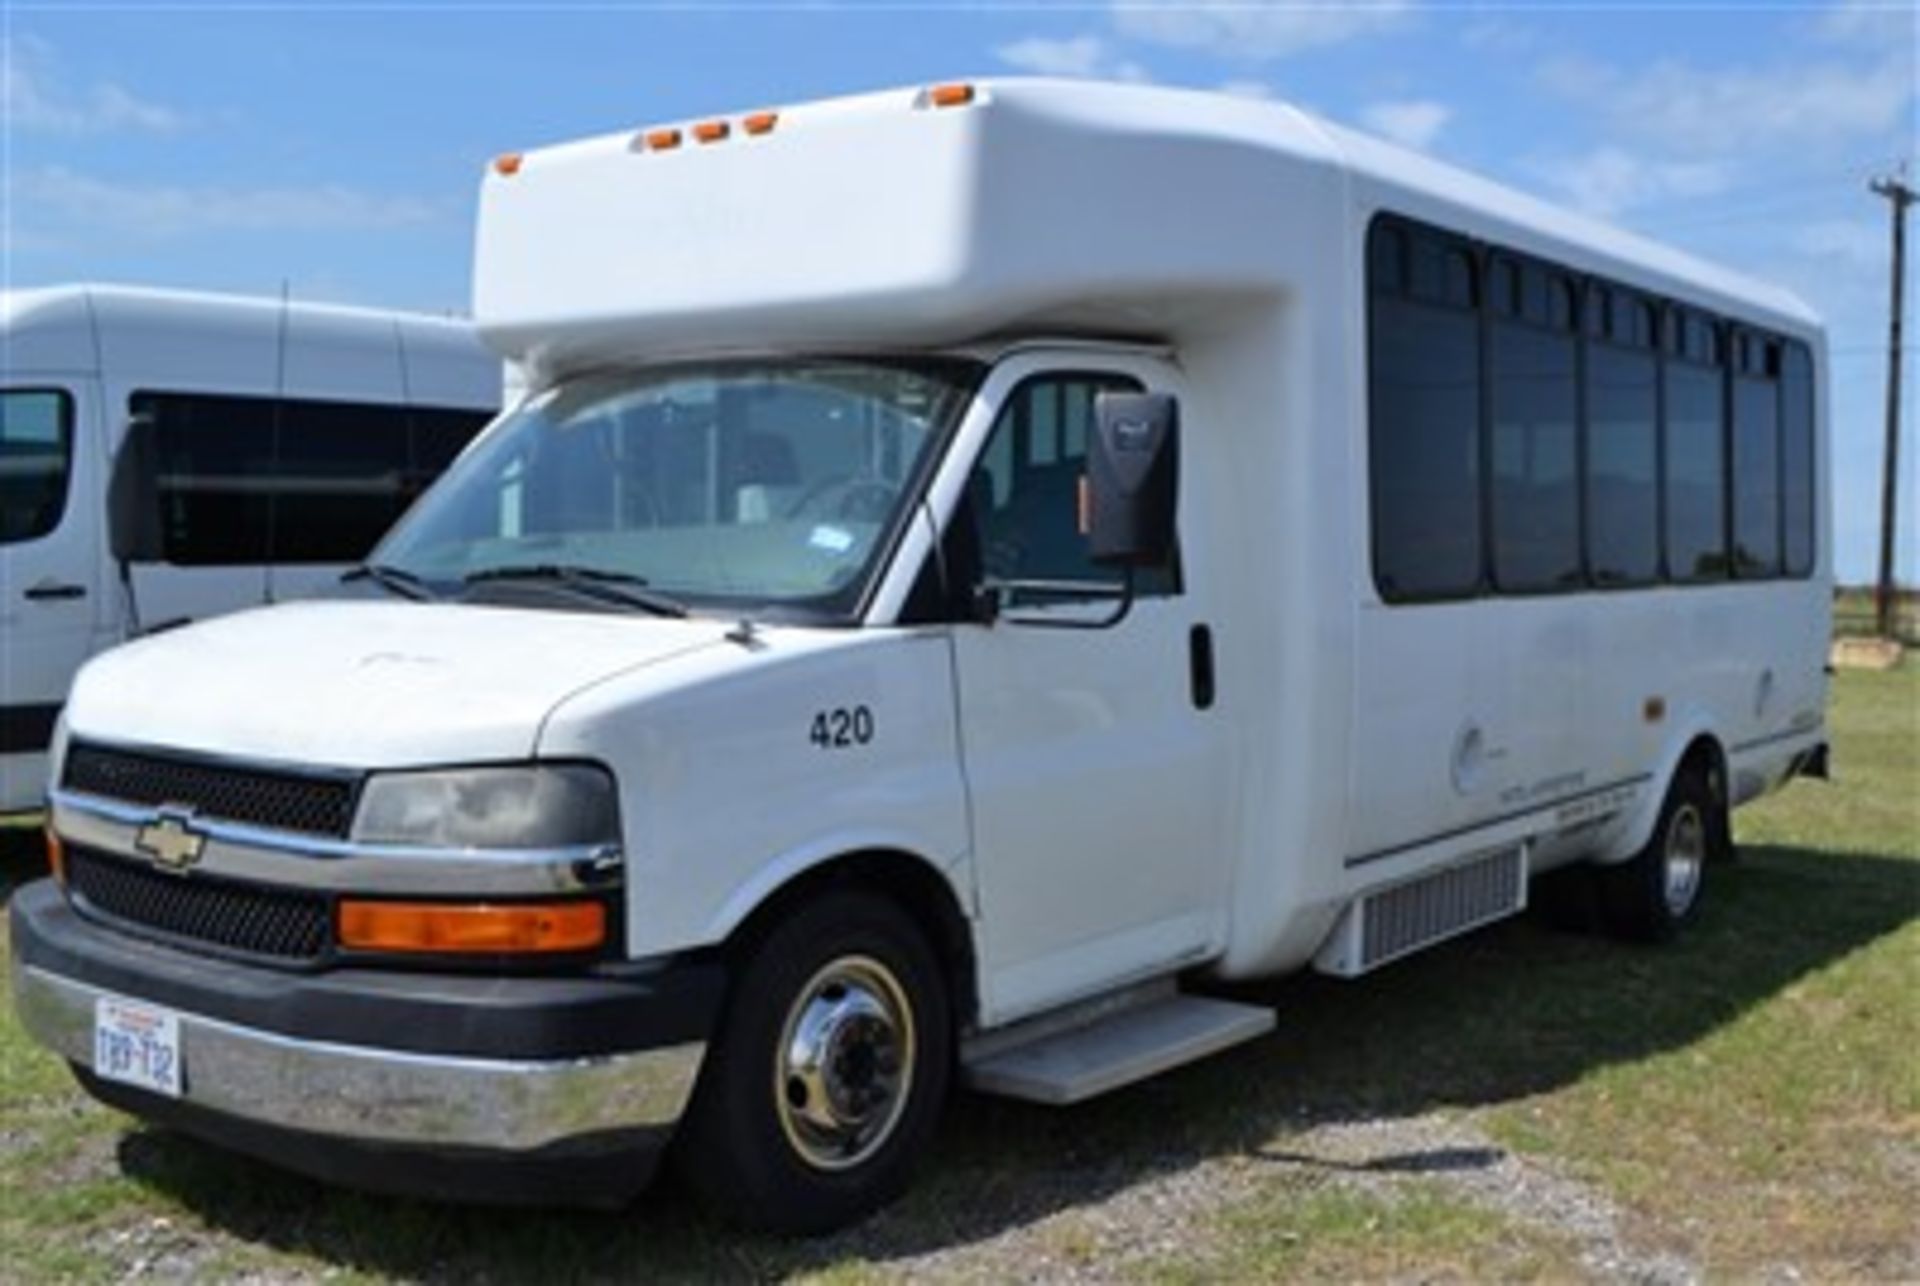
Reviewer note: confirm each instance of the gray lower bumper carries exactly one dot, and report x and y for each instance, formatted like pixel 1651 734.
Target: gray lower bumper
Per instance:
pixel 361 1094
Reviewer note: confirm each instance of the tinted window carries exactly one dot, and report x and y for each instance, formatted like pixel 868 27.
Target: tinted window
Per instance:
pixel 36 459
pixel 1623 464
pixel 309 482
pixel 1536 515
pixel 1796 458
pixel 1025 489
pixel 1424 437
pixel 1756 473
pixel 1696 474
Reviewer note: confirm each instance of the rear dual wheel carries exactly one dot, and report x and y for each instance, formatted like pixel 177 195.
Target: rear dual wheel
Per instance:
pixel 1656 893
pixel 829 1071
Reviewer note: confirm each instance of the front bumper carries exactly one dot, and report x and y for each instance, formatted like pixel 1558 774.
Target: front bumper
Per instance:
pixel 353 1074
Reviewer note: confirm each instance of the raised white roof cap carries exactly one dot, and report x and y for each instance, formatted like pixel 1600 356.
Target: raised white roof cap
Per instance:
pixel 886 220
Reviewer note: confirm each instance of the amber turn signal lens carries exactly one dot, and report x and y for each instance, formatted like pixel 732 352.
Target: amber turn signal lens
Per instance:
pixel 950 95
pixel 454 928
pixel 508 164
pixel 760 122
pixel 56 856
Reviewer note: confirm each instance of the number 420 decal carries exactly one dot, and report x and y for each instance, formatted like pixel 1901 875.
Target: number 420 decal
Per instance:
pixel 841 727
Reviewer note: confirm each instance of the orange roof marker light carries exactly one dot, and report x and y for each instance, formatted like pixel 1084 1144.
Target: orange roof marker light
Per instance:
pixel 508 164
pixel 711 131
pixel 760 122
pixel 957 94
pixel 662 140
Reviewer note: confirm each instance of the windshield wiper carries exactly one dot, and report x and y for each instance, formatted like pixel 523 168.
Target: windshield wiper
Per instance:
pixel 397 580
pixel 594 582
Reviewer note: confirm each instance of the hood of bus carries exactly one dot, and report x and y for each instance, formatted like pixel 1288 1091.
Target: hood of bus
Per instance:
pixel 365 685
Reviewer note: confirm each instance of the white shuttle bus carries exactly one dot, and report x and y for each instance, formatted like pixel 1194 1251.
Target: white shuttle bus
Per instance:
pixel 278 443
pixel 974 566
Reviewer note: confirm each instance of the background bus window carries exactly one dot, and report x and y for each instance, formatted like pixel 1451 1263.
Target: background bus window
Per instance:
pixel 36 461
pixel 242 481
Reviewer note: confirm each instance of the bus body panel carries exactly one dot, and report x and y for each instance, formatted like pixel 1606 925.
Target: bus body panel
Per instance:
pixel 110 345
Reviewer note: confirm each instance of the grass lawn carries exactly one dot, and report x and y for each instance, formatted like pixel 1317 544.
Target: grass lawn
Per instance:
pixel 1743 1102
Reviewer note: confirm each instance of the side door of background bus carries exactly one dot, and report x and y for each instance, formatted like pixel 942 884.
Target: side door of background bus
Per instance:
pixel 1098 784
pixel 51 598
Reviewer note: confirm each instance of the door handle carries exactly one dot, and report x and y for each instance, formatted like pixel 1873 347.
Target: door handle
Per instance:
pixel 1200 666
pixel 50 589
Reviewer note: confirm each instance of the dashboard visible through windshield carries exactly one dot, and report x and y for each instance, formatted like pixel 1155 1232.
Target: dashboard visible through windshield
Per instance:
pixel 740 485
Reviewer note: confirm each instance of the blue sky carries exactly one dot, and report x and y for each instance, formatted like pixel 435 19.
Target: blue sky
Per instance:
pixel 338 147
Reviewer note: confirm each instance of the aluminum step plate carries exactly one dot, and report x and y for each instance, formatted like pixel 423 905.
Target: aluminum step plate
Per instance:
pixel 1068 1066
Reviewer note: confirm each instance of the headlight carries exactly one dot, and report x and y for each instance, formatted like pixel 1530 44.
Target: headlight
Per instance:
pixel 528 806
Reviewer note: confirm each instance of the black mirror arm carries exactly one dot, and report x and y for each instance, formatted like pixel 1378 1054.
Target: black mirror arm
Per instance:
pixel 989 607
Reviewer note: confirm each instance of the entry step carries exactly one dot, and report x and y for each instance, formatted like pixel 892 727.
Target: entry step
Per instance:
pixel 1117 1048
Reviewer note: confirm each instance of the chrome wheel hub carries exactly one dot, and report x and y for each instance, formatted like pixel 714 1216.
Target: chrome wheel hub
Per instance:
pixel 1686 857
pixel 845 1063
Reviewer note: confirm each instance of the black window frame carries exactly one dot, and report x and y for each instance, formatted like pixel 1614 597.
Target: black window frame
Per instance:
pixel 68 424
pixel 1609 312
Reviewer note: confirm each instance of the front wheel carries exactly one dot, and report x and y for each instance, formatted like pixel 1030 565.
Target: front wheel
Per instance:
pixel 829 1071
pixel 1656 893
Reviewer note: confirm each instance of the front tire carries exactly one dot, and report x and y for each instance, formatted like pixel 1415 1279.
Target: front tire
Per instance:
pixel 829 1071
pixel 1656 893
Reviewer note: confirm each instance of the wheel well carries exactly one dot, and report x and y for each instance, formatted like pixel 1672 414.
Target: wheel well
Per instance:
pixel 1705 756
pixel 905 879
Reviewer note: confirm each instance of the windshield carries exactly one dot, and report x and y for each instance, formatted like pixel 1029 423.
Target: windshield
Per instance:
pixel 765 484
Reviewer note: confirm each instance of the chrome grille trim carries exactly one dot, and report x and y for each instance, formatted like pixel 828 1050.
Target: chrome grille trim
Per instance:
pixel 306 803
pixel 269 857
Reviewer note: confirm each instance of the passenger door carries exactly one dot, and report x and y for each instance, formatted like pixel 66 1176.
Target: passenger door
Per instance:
pixel 1097 782
pixel 49 572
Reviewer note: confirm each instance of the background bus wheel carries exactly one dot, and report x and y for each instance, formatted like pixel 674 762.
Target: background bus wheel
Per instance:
pixel 829 1071
pixel 1655 894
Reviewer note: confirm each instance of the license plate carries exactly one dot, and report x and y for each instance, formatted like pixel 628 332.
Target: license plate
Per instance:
pixel 137 1044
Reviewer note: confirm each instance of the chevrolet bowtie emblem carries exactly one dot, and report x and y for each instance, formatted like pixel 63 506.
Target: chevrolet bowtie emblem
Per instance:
pixel 171 841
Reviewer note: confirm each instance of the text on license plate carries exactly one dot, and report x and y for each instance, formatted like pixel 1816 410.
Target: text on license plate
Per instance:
pixel 137 1044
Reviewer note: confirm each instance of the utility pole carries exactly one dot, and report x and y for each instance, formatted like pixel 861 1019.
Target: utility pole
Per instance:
pixel 1900 195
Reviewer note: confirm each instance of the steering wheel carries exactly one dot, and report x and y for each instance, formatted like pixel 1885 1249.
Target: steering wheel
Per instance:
pixel 848 496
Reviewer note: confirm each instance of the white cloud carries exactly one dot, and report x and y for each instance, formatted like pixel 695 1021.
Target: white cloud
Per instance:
pixel 1245 88
pixel 1872 24
pixel 1854 243
pixel 1410 122
pixel 1611 180
pixel 65 198
pixel 1260 31
pixel 1691 109
pixel 34 97
pixel 1080 57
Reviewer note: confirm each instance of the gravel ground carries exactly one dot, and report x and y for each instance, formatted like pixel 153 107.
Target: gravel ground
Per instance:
pixel 1166 1219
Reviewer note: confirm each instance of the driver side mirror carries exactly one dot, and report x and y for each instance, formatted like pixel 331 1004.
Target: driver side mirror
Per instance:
pixel 1133 479
pixel 133 496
